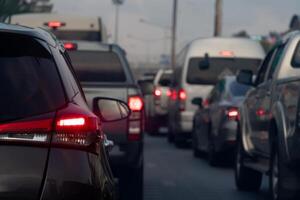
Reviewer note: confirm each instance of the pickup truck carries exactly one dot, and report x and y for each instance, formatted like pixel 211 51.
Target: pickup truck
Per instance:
pixel 268 136
pixel 103 70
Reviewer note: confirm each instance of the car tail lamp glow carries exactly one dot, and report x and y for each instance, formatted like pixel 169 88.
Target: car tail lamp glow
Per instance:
pixel 157 92
pixel 135 122
pixel 182 95
pixel 71 122
pixel 227 53
pixel 55 24
pixel 232 113
pixel 173 95
pixel 135 103
pixel 70 46
pixel 169 93
pixel 205 103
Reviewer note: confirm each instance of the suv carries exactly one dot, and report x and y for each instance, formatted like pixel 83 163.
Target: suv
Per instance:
pixel 199 66
pixel 52 146
pixel 158 115
pixel 103 70
pixel 268 134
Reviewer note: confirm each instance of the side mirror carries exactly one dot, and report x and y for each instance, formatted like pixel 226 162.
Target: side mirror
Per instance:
pixel 204 64
pixel 245 77
pixel 110 110
pixel 197 101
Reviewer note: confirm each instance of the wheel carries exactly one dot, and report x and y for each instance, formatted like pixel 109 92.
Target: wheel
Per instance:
pixel 170 137
pixel 213 157
pixel 283 181
pixel 132 184
pixel 246 179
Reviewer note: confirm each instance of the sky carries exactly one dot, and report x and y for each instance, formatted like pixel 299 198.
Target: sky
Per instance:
pixel 144 41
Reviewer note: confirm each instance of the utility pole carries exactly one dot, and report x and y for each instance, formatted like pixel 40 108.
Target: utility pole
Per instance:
pixel 218 18
pixel 117 3
pixel 174 28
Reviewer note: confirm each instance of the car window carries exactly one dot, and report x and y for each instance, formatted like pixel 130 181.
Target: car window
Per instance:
pixel 97 66
pixel 263 68
pixel 296 57
pixel 218 67
pixel 30 83
pixel 276 59
pixel 165 79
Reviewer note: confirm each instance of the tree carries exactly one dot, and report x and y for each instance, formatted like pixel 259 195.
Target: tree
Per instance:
pixel 11 7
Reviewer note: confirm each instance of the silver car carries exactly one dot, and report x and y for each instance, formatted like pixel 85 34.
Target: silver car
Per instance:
pixel 199 66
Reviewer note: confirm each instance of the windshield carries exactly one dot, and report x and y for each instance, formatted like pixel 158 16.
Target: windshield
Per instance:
pixel 97 66
pixel 218 67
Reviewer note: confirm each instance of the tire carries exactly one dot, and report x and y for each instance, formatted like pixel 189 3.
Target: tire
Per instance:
pixel 246 179
pixel 132 185
pixel 281 174
pixel 170 137
pixel 179 142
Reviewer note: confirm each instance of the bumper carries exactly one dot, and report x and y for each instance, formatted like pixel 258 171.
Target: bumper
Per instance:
pixel 185 122
pixel 73 174
pixel 225 140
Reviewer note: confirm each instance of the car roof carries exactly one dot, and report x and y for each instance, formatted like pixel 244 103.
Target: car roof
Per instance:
pixel 240 47
pixel 27 31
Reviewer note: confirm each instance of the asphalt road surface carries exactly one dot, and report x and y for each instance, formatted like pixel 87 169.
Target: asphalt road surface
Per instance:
pixel 174 174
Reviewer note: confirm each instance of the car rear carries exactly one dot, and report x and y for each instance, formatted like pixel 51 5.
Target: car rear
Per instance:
pixel 104 71
pixel 223 56
pixel 160 101
pixel 228 111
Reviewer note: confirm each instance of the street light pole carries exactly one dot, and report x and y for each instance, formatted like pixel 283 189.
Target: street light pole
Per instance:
pixel 218 18
pixel 174 28
pixel 117 3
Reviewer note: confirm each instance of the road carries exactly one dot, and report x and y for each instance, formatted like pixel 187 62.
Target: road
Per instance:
pixel 174 174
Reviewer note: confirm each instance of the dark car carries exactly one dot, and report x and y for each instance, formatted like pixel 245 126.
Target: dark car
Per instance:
pixel 268 138
pixel 103 70
pixel 51 144
pixel 215 124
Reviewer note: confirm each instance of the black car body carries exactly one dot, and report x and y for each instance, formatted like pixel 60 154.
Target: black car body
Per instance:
pixel 52 146
pixel 215 124
pixel 268 134
pixel 103 70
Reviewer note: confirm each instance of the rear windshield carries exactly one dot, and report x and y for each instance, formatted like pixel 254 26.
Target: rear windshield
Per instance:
pixel 165 79
pixel 29 81
pixel 78 35
pixel 237 89
pixel 96 66
pixel 218 67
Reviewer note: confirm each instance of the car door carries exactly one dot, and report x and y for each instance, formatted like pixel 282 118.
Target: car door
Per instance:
pixel 255 113
pixel 213 108
pixel 265 101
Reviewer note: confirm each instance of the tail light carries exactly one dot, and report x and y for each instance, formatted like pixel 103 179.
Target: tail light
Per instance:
pixel 70 127
pixel 232 113
pixel 157 94
pixel 135 126
pixel 55 24
pixel 169 93
pixel 70 46
pixel 182 96
pixel 205 103
pixel 173 95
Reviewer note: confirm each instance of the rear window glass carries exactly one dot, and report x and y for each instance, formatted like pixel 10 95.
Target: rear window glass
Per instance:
pixel 78 35
pixel 218 68
pixel 165 79
pixel 237 89
pixel 29 81
pixel 96 66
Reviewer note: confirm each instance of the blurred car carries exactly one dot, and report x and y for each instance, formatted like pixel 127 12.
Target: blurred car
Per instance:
pixel 65 27
pixel 199 66
pixel 52 145
pixel 103 70
pixel 159 105
pixel 268 132
pixel 215 122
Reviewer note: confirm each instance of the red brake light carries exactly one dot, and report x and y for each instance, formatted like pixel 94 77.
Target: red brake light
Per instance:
pixel 70 46
pixel 71 122
pixel 232 113
pixel 169 93
pixel 157 92
pixel 55 24
pixel 173 94
pixel 182 94
pixel 135 103
pixel 205 103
